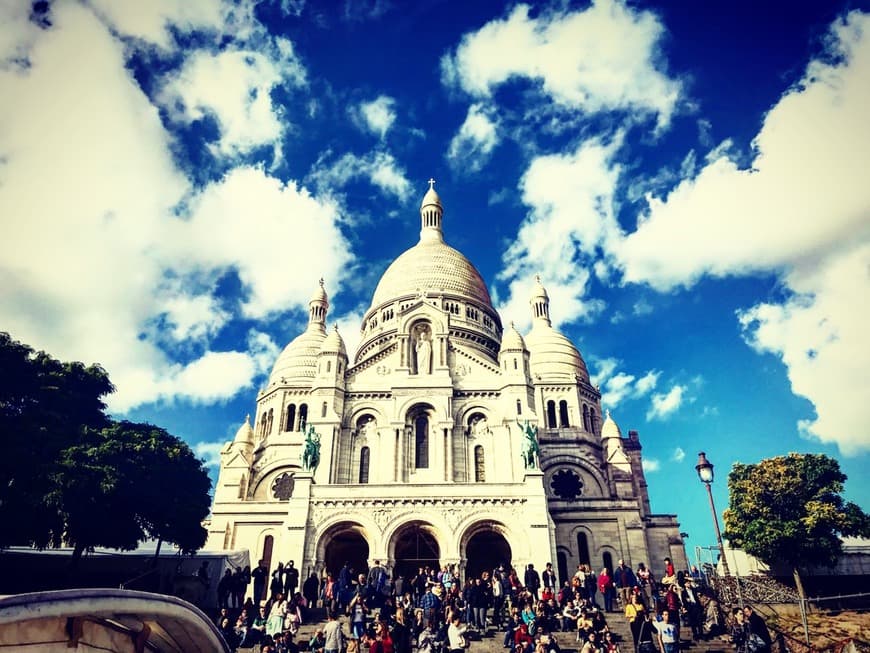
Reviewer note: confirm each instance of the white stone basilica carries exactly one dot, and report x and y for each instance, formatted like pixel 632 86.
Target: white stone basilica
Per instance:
pixel 422 436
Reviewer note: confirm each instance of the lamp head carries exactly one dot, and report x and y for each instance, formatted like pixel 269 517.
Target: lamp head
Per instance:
pixel 704 469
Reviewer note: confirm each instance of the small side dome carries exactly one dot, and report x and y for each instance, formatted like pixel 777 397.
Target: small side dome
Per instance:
pixel 512 340
pixel 431 197
pixel 245 434
pixel 334 344
pixel 319 294
pixel 610 429
pixel 553 357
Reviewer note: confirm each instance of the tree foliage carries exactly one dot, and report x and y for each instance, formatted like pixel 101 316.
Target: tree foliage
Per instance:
pixel 790 509
pixel 72 475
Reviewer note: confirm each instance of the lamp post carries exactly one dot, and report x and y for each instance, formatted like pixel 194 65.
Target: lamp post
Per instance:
pixel 705 473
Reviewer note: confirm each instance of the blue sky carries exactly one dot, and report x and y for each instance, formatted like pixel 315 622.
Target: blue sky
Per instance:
pixel 689 180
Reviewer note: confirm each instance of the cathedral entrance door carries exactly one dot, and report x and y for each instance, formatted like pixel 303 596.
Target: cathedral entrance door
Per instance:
pixel 415 546
pixel 345 544
pixel 485 551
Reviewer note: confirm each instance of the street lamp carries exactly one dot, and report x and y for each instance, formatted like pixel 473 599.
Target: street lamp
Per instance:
pixel 705 473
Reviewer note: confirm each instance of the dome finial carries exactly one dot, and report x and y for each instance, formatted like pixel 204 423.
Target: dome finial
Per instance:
pixel 431 213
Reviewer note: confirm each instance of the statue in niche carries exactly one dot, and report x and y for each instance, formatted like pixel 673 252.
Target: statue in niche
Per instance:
pixel 479 425
pixel 424 350
pixel 366 424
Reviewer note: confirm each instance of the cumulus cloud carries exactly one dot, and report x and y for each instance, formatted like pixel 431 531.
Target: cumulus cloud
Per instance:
pixel 378 115
pixel 378 167
pixel 651 465
pixel 472 146
pixel 104 236
pixel 234 88
pixel 602 58
pixel 209 452
pixel 663 405
pixel 801 209
pixel 616 387
pixel 570 217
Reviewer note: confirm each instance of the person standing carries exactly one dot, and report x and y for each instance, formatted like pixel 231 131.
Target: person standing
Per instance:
pixel 605 586
pixel 634 613
pixel 625 581
pixel 758 628
pixel 668 634
pixel 456 635
pixel 291 579
pixel 548 578
pixel 259 575
pixel 532 580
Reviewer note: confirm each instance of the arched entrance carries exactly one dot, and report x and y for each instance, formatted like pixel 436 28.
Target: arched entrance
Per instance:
pixel 486 549
pixel 414 545
pixel 345 543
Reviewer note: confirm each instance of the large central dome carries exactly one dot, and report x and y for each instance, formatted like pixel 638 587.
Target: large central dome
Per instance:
pixel 431 265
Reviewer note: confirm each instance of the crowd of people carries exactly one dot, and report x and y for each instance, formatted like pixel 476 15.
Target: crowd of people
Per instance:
pixel 435 611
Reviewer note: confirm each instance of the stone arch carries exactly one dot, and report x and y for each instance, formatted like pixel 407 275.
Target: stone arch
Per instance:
pixel 469 417
pixel 594 483
pixel 342 541
pixel 412 544
pixel 485 544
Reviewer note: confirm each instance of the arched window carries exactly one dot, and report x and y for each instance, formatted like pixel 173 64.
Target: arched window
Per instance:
pixel 364 465
pixel 582 549
pixel 263 425
pixel 323 409
pixel 243 487
pixel 585 417
pixel 563 413
pixel 421 442
pixel 519 407
pixel 551 414
pixel 515 363
pixel 269 420
pixel 479 467
pixel 303 416
pixel 291 417
pixel 593 421
pixel 266 557
pixel 328 366
pixel 607 559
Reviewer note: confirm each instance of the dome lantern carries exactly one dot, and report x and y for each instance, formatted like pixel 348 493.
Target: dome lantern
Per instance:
pixel 317 307
pixel 431 214
pixel 540 302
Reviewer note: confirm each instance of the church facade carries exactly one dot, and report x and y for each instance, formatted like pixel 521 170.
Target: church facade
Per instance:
pixel 448 439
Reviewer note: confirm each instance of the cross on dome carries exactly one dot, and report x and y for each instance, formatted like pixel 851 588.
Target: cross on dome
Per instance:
pixel 431 183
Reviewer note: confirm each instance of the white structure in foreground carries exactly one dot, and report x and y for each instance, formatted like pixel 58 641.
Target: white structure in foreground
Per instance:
pixel 425 450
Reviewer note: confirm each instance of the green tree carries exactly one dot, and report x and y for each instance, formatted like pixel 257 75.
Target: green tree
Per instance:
pixel 45 405
pixel 790 509
pixel 129 482
pixel 70 474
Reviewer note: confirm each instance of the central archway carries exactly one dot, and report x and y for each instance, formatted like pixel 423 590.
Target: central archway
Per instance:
pixel 413 546
pixel 485 549
pixel 345 543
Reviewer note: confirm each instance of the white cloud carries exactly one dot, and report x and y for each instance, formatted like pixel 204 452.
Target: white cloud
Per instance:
pixel 471 148
pixel 602 370
pixel 651 465
pixel 380 168
pixel 209 452
pixel 806 190
pixel 617 388
pixel 647 382
pixel 97 246
pixel 678 455
pixel 663 405
pixel 234 87
pixel 378 115
pixel 602 58
pixel 151 21
pixel 821 335
pixel 571 215
pixel 802 210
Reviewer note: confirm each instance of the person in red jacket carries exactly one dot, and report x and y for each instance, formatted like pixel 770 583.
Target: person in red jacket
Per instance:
pixel 605 586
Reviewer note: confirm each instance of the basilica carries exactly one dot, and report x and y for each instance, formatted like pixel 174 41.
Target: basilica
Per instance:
pixel 450 438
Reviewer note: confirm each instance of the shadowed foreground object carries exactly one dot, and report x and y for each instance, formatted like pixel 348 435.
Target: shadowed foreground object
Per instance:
pixel 106 619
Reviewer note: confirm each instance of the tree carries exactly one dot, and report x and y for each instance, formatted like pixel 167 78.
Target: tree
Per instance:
pixel 129 482
pixel 70 474
pixel 45 405
pixel 790 509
